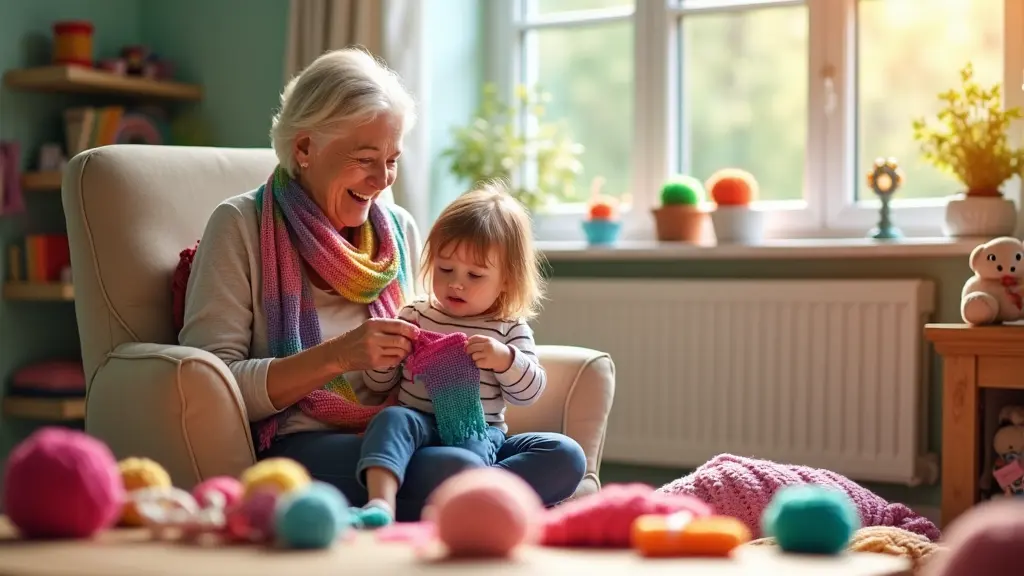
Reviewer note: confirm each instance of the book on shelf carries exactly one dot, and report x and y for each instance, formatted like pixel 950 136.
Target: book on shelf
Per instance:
pixel 88 127
pixel 40 258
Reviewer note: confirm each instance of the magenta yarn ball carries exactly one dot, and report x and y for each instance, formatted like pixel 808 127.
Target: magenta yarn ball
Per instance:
pixel 61 483
pixel 230 488
pixel 260 512
pixel 485 512
pixel 986 540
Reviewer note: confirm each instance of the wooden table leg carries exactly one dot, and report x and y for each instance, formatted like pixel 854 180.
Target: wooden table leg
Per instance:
pixel 960 431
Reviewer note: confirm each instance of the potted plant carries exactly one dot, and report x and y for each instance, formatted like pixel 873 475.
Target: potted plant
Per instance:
pixel 969 140
pixel 602 224
pixel 494 146
pixel 680 217
pixel 734 219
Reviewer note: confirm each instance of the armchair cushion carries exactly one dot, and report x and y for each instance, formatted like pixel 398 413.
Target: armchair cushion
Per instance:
pixel 175 404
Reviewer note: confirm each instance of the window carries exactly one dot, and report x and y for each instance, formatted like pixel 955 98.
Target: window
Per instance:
pixel 804 94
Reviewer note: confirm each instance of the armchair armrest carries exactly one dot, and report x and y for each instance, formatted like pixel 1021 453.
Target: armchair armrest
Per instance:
pixel 578 399
pixel 177 405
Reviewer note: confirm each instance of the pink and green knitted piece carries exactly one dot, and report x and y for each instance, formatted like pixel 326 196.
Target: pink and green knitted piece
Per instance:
pixel 452 380
pixel 371 271
pixel 743 488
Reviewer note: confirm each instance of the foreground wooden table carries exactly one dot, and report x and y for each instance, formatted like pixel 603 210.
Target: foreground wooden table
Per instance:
pixel 973 358
pixel 129 553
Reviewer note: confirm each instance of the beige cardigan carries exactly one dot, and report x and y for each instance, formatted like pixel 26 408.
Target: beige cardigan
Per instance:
pixel 224 312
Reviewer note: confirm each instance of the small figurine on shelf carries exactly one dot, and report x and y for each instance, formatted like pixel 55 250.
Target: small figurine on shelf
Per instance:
pixel 1008 470
pixel 135 59
pixel 884 179
pixel 602 225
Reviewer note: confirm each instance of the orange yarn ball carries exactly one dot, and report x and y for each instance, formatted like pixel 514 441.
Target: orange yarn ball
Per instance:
pixel 732 187
pixel 136 474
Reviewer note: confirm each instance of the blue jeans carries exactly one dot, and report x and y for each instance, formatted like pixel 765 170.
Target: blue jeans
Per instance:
pixel 397 432
pixel 553 464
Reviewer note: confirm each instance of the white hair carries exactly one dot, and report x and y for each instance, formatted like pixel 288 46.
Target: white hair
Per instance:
pixel 340 90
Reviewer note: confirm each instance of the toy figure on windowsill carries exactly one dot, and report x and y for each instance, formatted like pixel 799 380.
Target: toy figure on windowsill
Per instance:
pixel 884 179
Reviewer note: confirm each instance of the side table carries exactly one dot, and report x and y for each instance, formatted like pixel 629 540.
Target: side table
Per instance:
pixel 973 358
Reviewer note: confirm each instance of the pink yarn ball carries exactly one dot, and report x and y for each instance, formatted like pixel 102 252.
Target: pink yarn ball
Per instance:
pixel 484 512
pixel 61 483
pixel 986 539
pixel 230 488
pixel 259 513
pixel 605 519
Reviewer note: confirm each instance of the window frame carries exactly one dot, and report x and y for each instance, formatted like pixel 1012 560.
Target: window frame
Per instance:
pixel 829 208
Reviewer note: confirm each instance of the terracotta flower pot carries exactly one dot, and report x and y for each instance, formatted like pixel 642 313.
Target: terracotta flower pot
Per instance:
pixel 680 223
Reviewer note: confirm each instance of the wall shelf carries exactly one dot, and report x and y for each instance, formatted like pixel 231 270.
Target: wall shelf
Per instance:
pixel 41 181
pixel 78 79
pixel 45 408
pixel 38 291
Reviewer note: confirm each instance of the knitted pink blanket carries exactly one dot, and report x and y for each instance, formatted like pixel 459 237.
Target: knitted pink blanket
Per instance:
pixel 743 487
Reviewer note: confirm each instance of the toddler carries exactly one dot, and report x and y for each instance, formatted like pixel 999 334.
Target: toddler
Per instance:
pixel 475 352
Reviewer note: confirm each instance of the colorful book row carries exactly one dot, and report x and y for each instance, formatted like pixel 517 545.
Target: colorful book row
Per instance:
pixel 40 258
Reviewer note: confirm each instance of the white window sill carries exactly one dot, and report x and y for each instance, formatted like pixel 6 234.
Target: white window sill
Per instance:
pixel 809 248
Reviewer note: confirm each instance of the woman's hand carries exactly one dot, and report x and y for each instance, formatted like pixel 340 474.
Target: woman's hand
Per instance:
pixel 489 354
pixel 377 344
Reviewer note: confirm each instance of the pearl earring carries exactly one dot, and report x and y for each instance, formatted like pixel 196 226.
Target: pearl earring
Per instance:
pixel 304 165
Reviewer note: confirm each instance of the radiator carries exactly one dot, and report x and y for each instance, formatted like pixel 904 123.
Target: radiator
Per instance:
pixel 824 373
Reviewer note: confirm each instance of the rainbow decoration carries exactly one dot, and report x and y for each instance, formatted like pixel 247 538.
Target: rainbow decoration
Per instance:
pixel 137 128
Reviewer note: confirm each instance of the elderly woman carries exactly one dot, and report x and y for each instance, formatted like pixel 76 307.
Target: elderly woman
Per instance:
pixel 296 284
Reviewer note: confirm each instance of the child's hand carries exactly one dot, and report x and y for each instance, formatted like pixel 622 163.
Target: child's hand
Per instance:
pixel 489 354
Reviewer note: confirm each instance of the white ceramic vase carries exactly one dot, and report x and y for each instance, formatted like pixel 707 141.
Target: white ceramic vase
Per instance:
pixel 980 216
pixel 737 224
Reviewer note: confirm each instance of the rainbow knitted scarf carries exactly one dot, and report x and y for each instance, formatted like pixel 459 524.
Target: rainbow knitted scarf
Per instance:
pixel 452 381
pixel 294 229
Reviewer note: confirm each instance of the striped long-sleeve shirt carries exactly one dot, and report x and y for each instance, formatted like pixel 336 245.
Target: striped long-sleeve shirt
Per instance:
pixel 520 385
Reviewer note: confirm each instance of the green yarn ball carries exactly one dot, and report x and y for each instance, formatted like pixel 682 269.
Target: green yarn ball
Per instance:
pixel 682 190
pixel 810 519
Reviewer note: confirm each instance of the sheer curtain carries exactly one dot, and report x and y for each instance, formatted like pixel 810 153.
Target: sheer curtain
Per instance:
pixel 392 30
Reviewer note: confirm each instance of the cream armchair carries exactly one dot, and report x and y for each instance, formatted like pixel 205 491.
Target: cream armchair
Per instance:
pixel 130 211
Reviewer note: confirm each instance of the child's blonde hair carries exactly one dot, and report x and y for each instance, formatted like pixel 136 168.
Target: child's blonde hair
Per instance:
pixel 487 217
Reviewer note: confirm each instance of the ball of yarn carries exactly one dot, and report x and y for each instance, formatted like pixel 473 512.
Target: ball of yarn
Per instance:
pixel 605 519
pixel 311 517
pixel 255 517
pixel 137 473
pixel 224 487
pixel 682 190
pixel 811 519
pixel 732 187
pixel 987 539
pixel 484 512
pixel 883 540
pixel 278 474
pixel 61 483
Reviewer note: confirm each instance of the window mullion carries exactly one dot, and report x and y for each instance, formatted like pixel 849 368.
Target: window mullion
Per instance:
pixel 654 109
pixel 833 107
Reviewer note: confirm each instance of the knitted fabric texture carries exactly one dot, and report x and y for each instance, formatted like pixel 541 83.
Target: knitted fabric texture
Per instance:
pixel 452 380
pixel 605 519
pixel 743 487
pixel 293 229
pixel 884 540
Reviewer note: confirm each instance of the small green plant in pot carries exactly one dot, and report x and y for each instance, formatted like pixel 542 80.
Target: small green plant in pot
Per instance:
pixel 969 140
pixel 680 217
pixel 493 146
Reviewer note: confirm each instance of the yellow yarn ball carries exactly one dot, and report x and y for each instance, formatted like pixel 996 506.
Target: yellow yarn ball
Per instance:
pixel 138 473
pixel 281 475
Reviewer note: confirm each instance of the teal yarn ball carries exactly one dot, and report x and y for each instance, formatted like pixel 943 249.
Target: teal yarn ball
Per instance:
pixel 810 519
pixel 311 518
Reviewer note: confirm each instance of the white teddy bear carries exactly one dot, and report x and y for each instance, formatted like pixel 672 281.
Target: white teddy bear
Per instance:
pixel 993 294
